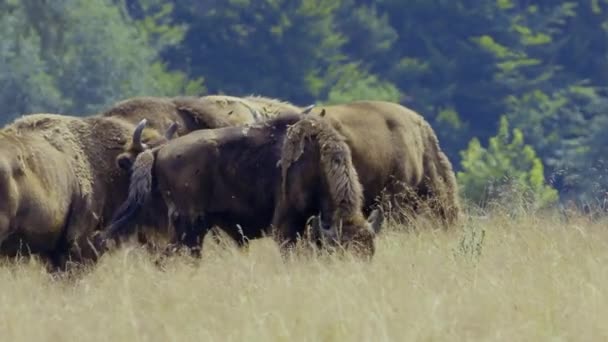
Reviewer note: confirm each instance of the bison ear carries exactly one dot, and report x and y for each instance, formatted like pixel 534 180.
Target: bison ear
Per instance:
pixel 376 219
pixel 322 112
pixel 316 223
pixel 312 221
pixel 124 162
pixel 137 134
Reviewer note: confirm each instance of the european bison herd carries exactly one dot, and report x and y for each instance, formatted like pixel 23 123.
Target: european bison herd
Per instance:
pixel 249 166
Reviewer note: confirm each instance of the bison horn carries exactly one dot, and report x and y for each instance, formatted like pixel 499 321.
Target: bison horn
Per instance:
pixel 319 222
pixel 328 233
pixel 376 219
pixel 171 130
pixel 137 134
pixel 307 110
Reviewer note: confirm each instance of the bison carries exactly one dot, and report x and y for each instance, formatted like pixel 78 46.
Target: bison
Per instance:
pixel 230 177
pixel 318 177
pixel 397 157
pixel 58 183
pixel 181 115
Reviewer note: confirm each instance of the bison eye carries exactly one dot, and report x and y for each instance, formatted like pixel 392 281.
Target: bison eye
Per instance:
pixel 124 162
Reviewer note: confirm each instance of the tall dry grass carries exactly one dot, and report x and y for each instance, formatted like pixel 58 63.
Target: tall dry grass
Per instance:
pixel 528 278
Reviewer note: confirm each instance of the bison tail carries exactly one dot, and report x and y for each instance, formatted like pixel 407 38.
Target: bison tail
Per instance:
pixel 140 188
pixel 442 182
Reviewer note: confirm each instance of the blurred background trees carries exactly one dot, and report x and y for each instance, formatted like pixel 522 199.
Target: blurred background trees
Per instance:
pixel 541 65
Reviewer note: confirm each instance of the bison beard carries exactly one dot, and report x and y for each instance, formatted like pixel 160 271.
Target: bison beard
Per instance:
pixel 200 178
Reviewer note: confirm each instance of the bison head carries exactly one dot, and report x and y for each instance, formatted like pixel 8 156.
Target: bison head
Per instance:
pixel 125 159
pixel 355 234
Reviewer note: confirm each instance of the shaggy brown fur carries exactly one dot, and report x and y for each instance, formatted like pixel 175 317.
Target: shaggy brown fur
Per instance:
pixel 324 175
pixel 190 114
pixel 194 113
pixel 396 154
pixel 200 176
pixel 160 113
pixel 270 108
pixel 59 183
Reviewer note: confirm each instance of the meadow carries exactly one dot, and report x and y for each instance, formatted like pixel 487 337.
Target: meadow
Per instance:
pixel 494 278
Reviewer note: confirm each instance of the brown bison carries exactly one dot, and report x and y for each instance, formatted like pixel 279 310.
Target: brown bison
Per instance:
pixel 58 183
pixel 318 177
pixel 229 177
pixel 181 115
pixel 396 154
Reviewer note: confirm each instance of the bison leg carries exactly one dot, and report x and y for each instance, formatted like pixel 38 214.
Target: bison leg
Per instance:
pixel 76 245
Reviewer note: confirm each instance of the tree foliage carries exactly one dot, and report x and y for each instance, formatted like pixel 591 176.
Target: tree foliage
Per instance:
pixel 76 56
pixel 463 64
pixel 507 167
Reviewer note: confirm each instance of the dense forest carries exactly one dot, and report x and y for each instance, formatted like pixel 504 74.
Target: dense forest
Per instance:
pixel 516 90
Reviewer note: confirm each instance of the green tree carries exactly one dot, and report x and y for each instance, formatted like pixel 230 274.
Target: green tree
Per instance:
pixel 280 48
pixel 437 64
pixel 350 83
pixel 77 56
pixel 581 163
pixel 554 71
pixel 26 84
pixel 507 167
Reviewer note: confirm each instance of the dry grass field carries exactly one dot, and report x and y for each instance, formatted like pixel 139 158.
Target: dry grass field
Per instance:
pixel 532 278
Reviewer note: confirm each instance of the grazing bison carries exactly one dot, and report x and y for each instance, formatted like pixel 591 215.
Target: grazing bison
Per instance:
pixel 229 177
pixel 181 115
pixel 58 183
pixel 396 153
pixel 318 176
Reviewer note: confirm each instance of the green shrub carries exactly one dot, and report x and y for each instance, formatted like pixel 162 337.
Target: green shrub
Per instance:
pixel 508 172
